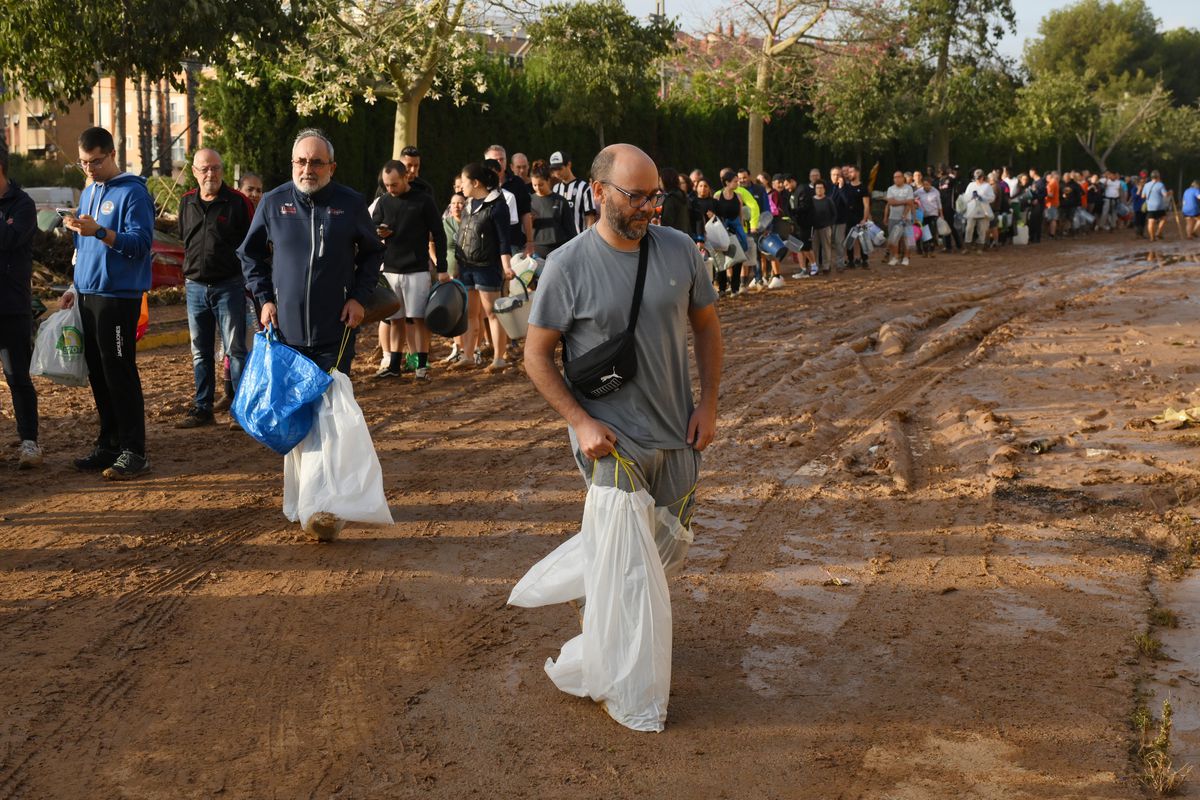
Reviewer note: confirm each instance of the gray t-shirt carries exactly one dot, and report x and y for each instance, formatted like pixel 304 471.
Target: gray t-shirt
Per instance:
pixel 585 292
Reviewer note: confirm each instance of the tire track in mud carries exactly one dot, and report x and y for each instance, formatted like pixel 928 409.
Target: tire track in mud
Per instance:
pixel 918 378
pixel 156 603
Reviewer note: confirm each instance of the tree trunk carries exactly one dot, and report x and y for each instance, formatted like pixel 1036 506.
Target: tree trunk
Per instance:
pixel 193 121
pixel 141 91
pixel 165 166
pixel 754 125
pixel 939 146
pixel 404 131
pixel 119 115
pixel 1058 159
pixel 939 140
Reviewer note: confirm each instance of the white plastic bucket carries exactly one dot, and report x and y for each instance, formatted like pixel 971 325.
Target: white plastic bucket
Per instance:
pixel 513 312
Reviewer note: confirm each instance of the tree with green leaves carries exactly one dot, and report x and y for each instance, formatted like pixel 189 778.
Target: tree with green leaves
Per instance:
pixel 56 52
pixel 760 55
pixel 593 57
pixel 1097 62
pixel 404 51
pixel 883 87
pixel 1099 40
pixel 1050 109
pixel 957 40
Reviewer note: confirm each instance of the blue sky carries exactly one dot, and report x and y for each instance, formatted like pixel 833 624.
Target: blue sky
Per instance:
pixel 693 14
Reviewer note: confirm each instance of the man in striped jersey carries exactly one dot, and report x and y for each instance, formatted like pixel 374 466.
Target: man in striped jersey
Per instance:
pixel 577 191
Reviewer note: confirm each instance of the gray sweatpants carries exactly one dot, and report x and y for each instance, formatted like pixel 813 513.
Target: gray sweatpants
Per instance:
pixel 669 476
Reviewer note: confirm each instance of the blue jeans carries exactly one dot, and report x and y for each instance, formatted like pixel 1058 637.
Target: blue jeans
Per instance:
pixel 220 307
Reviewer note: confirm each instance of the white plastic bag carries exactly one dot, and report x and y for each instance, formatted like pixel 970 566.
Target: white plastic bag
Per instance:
pixel 625 648
pixel 58 349
pixel 558 577
pixel 1021 234
pixel 716 235
pixel 334 468
pixel 672 541
pixel 735 253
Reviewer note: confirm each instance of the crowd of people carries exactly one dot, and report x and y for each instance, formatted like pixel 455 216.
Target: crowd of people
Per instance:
pixel 304 258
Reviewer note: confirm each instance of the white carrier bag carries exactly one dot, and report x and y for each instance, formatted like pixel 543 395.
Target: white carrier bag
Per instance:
pixel 58 348
pixel 715 234
pixel 623 657
pixel 334 468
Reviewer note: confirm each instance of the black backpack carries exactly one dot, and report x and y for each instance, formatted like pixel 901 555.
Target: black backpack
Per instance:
pixel 477 242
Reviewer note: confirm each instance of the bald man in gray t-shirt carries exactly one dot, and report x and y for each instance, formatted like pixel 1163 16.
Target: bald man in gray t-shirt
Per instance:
pixel 583 299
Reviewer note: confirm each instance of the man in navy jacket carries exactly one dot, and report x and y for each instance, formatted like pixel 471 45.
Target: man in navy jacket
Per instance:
pixel 312 256
pixel 18 221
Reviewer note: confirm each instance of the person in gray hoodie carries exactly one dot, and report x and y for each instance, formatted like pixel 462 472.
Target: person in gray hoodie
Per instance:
pixel 114 228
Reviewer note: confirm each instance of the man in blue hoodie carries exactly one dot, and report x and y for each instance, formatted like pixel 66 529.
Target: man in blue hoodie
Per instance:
pixel 312 256
pixel 113 228
pixel 18 221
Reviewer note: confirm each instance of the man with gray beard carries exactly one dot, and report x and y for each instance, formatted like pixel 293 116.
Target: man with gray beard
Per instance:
pixel 584 299
pixel 311 260
pixel 312 256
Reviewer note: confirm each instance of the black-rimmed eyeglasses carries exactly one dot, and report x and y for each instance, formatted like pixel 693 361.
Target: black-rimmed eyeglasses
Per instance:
pixel 638 199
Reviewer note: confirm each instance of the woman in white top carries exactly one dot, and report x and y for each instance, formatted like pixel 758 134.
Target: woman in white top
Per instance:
pixel 930 200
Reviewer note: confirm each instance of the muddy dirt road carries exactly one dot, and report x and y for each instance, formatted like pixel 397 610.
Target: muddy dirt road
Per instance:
pixel 890 595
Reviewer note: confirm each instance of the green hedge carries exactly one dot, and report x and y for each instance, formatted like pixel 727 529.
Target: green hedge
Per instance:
pixel 259 122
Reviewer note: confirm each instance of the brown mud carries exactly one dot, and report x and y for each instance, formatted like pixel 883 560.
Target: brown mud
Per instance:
pixel 890 595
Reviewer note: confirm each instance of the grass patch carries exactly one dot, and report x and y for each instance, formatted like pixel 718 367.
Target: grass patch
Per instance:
pixel 1163 617
pixel 1148 646
pixel 1158 772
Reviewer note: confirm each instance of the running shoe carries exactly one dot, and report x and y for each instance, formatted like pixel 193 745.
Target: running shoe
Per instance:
pixel 892 261
pixel 30 455
pixel 904 261
pixel 776 283
pixel 497 365
pixel 128 466
pixel 100 458
pixel 387 372
pixel 814 270
pixel 422 374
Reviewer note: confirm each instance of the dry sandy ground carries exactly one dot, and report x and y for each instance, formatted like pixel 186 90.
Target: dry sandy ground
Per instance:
pixel 889 596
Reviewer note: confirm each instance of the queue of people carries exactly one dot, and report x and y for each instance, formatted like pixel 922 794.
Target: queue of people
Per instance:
pixel 305 257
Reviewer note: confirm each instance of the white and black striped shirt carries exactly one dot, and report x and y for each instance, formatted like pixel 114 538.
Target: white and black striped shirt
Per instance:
pixel 579 194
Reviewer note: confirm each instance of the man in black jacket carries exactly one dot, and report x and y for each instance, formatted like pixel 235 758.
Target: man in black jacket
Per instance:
pixel 406 219
pixel 213 220
pixel 1036 208
pixel 311 258
pixel 18 221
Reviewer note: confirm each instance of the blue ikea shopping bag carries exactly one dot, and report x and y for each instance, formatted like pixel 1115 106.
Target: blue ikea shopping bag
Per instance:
pixel 274 400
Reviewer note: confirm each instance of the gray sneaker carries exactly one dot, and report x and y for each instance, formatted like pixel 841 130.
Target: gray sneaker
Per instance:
pixel 30 455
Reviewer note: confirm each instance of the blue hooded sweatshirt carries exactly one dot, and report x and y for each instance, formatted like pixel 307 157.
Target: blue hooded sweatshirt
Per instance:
pixel 121 204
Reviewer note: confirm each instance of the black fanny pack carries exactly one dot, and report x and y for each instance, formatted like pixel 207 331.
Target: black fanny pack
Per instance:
pixel 605 368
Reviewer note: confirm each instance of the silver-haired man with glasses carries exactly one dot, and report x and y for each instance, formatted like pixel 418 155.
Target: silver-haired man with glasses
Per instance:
pixel 213 220
pixel 312 256
pixel 584 299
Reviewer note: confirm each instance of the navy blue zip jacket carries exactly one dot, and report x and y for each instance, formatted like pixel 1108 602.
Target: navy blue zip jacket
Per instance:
pixel 18 221
pixel 308 255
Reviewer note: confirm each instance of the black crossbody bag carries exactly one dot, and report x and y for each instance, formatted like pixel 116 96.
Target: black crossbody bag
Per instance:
pixel 605 368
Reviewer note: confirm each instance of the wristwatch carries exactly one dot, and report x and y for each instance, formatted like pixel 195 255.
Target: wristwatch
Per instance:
pixel 101 233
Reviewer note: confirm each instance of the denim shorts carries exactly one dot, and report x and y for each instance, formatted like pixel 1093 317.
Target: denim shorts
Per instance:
pixel 482 279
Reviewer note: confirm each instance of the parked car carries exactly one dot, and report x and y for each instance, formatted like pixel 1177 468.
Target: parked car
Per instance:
pixel 166 268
